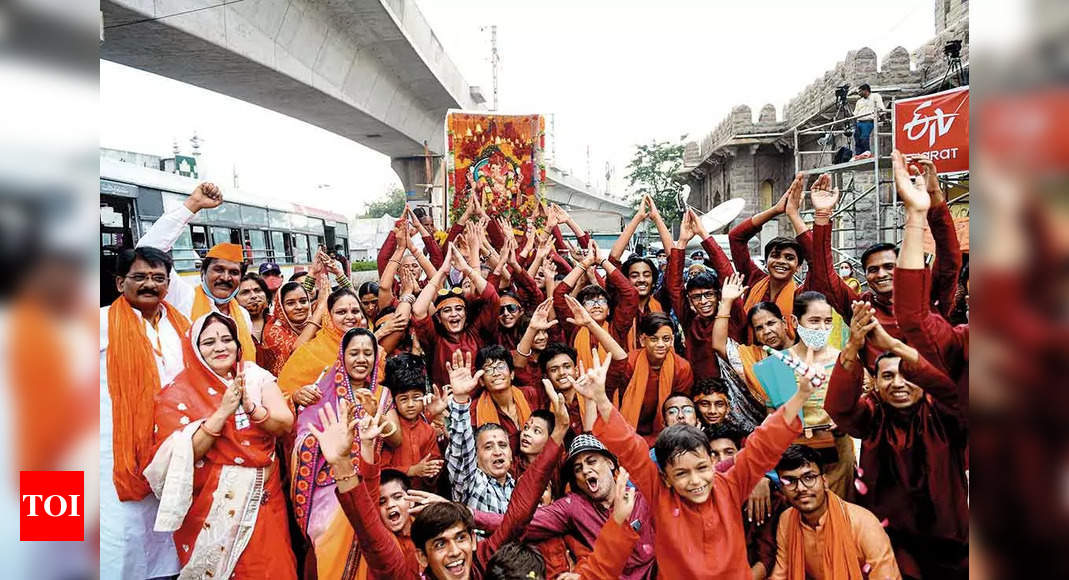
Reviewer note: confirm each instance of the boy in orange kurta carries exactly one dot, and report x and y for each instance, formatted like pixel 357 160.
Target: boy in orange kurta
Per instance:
pixel 418 456
pixel 697 511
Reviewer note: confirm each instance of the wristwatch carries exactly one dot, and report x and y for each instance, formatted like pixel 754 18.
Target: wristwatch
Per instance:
pixel 410 298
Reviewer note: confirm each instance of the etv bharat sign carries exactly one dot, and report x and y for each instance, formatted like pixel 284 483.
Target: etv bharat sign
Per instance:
pixel 935 126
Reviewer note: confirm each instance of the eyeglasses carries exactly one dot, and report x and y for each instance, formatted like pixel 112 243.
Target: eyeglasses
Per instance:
pixel 140 278
pixel 498 368
pixel 672 412
pixel 592 302
pixel 702 296
pixel 807 479
pixel 510 308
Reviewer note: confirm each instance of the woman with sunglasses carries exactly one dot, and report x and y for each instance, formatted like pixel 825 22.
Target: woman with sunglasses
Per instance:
pixel 450 328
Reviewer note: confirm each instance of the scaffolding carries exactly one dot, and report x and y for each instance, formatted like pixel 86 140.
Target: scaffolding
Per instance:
pixel 868 210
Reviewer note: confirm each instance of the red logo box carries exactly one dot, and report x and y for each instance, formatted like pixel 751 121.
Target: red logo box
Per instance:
pixel 51 506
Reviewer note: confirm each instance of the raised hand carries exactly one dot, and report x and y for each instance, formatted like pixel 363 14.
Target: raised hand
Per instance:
pixel 409 285
pixel 434 403
pixel 540 317
pixel 733 288
pixel 651 206
pixel 559 407
pixel 642 212
pixel 931 178
pixel 822 195
pixel 580 316
pixel 793 204
pixel 759 504
pixel 549 269
pixel 623 501
pixel 795 189
pixel 910 188
pixel 205 196
pixel 686 229
pixel 371 426
pixel 460 377
pixel 591 382
pixel 336 436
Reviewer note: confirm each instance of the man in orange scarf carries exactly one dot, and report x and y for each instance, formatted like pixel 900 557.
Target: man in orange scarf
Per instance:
pixel 783 256
pixel 822 536
pixel 140 351
pixel 657 372
pixel 221 269
pixel 501 402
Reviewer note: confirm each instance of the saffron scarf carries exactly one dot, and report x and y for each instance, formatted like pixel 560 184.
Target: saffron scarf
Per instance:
pixel 310 359
pixel 133 382
pixel 486 410
pixel 582 346
pixel 202 304
pixel 785 301
pixel 840 551
pixel 751 355
pixel 632 335
pixel 635 394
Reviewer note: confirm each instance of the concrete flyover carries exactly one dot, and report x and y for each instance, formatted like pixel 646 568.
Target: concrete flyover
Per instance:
pixel 369 70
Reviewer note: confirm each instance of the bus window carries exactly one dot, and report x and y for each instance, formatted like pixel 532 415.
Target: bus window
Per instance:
pixel 259 245
pixel 278 247
pixel 226 236
pixel 183 253
pixel 200 239
pixel 300 254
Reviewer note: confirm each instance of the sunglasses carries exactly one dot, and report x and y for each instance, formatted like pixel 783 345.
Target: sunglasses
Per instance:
pixel 455 290
pixel 510 308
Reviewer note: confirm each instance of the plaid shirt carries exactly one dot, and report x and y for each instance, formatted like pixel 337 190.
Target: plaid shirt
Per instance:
pixel 471 486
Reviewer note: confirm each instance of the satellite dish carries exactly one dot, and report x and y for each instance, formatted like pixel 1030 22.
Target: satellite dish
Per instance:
pixel 722 214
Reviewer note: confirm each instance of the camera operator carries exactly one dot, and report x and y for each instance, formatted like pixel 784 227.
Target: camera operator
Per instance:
pixel 865 109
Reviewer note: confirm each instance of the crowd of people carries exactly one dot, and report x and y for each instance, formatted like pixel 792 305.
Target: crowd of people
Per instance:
pixel 505 404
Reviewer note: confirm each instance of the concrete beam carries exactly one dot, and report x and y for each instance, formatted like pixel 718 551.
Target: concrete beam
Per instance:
pixel 369 70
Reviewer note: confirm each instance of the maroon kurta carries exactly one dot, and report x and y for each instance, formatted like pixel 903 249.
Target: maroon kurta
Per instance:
pixel 439 348
pixel 913 465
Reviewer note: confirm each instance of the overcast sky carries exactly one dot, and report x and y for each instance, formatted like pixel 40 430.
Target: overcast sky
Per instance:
pixel 613 74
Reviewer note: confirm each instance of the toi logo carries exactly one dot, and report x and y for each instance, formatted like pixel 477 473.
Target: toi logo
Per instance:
pixel 51 506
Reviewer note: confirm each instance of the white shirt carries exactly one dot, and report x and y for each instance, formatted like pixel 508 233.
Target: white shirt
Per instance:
pixel 162 236
pixel 867 106
pixel 128 546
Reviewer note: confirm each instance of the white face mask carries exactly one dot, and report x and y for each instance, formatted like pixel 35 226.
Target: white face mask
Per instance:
pixel 814 339
pixel 845 271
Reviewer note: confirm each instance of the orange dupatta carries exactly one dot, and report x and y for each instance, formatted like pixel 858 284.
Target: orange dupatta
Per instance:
pixel 202 305
pixel 486 411
pixel 133 383
pixel 635 394
pixel 632 335
pixel 751 355
pixel 785 301
pixel 582 346
pixel 310 359
pixel 840 551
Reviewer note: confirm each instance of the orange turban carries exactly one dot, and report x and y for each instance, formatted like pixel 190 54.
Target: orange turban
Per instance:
pixel 231 252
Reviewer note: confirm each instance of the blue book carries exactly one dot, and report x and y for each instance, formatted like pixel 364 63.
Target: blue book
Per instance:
pixel 778 380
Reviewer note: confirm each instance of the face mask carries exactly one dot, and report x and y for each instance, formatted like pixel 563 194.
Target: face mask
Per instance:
pixel 845 272
pixel 814 339
pixel 218 301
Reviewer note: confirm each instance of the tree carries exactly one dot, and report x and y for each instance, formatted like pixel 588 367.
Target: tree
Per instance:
pixel 393 203
pixel 652 172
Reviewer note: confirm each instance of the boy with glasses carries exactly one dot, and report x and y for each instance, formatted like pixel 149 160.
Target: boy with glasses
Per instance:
pixel 501 402
pixel 821 535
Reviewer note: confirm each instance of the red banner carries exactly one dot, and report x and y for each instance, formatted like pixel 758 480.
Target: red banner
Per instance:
pixel 937 127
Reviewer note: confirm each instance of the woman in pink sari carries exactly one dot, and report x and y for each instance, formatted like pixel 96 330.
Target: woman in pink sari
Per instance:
pixel 215 469
pixel 356 377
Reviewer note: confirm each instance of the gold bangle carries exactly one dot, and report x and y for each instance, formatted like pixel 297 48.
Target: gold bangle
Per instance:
pixel 345 477
pixel 723 316
pixel 527 355
pixel 209 432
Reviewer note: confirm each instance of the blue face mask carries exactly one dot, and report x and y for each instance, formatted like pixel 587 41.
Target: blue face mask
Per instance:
pixel 218 301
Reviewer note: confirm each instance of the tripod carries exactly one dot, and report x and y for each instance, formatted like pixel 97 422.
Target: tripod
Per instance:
pixel 956 71
pixel 842 111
